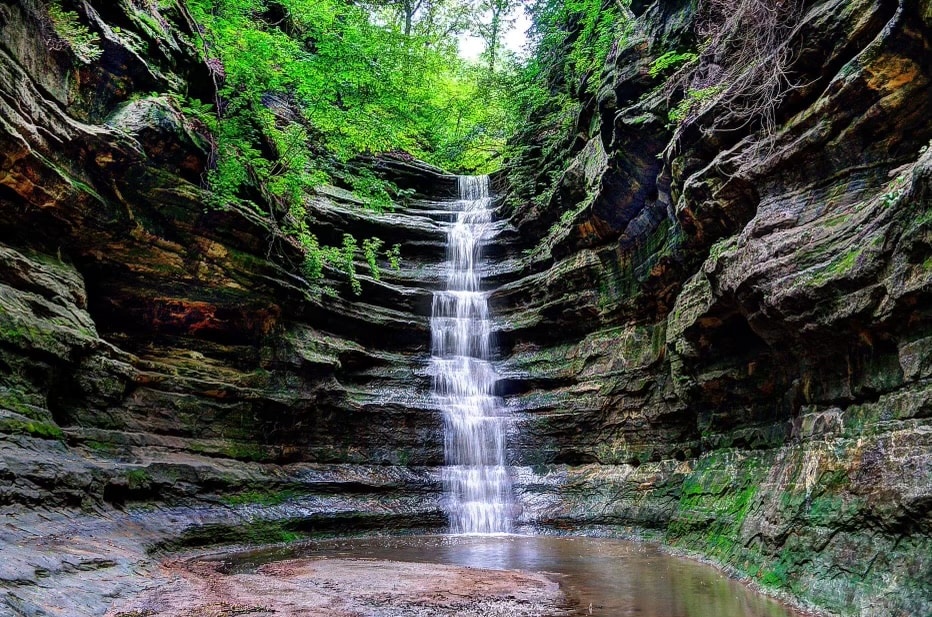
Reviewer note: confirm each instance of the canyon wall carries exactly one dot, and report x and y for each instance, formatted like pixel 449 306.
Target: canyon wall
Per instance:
pixel 168 375
pixel 720 337
pixel 707 338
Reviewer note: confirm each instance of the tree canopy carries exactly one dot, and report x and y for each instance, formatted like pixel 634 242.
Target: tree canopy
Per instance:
pixel 368 77
pixel 304 86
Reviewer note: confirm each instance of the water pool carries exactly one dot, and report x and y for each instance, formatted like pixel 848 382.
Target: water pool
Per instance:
pixel 605 577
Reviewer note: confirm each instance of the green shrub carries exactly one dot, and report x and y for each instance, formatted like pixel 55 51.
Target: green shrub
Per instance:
pixel 692 103
pixel 71 34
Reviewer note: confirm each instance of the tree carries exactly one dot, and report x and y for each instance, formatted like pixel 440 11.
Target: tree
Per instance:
pixel 437 21
pixel 358 83
pixel 496 24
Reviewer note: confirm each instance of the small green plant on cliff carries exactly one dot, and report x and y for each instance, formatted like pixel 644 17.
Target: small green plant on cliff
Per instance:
pixel 42 430
pixel 138 479
pixel 347 258
pixel 692 103
pixel 67 32
pixel 261 498
pixel 895 190
pixel 393 255
pixel 370 249
pixel 377 193
pixel 670 59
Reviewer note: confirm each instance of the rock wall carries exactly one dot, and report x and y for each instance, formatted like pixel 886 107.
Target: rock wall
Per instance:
pixel 167 359
pixel 721 339
pixel 723 345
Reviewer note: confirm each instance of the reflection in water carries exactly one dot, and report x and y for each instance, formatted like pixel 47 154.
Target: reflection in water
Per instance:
pixel 618 578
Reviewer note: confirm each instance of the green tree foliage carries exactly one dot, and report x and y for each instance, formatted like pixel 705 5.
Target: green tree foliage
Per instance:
pixel 305 86
pixel 571 41
pixel 497 22
pixel 436 21
pixel 361 85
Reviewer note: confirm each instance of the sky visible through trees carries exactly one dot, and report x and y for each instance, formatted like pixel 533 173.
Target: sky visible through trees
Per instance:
pixel 306 87
pixel 514 40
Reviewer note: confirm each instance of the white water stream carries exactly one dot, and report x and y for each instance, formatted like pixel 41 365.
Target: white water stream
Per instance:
pixel 477 484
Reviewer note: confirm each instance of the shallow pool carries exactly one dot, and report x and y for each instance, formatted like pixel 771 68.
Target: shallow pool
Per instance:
pixel 605 577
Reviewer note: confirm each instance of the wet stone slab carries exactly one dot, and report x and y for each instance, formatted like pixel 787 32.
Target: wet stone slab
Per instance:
pixel 312 587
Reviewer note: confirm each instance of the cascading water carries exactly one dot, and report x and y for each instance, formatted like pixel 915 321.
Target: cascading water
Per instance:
pixel 476 480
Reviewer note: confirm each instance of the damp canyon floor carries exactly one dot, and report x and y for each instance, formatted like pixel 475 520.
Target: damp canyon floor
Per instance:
pixel 465 576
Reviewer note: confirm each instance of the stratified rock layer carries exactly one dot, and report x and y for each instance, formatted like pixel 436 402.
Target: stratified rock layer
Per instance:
pixel 168 378
pixel 725 345
pixel 724 342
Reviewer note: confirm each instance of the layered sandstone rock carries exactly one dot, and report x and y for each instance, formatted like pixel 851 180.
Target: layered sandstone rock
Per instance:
pixel 723 343
pixel 164 358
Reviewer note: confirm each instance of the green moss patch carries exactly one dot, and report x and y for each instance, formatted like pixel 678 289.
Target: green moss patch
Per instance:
pixel 33 428
pixel 236 450
pixel 262 498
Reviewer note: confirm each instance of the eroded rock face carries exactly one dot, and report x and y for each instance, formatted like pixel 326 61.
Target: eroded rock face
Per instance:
pixel 168 378
pixel 161 354
pixel 725 346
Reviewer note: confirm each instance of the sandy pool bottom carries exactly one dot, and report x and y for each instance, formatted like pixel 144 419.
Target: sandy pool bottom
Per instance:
pixel 344 587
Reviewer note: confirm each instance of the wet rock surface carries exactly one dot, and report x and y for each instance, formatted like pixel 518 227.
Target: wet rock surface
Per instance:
pixel 67 562
pixel 167 377
pixel 345 587
pixel 713 337
pixel 725 346
pixel 141 331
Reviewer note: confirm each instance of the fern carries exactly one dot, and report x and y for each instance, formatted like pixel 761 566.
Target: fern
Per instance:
pixel 394 257
pixel 347 257
pixel 71 34
pixel 670 59
pixel 370 249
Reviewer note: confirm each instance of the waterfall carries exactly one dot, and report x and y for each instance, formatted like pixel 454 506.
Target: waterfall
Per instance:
pixel 476 481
